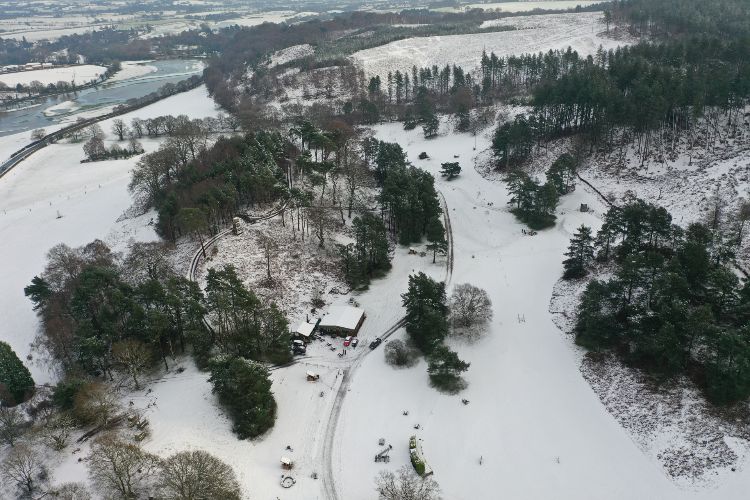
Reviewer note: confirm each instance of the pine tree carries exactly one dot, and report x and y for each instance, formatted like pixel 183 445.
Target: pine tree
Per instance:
pixel 430 126
pixel 426 311
pixel 436 236
pixel 580 254
pixel 450 169
pixel 16 384
pixel 244 388
pixel 445 368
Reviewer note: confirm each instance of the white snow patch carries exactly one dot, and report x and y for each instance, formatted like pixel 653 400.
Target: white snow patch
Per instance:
pixel 79 74
pixel 581 31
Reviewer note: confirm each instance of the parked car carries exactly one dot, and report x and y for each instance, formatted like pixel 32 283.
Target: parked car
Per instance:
pixel 355 341
pixel 375 343
pixel 347 341
pixel 299 347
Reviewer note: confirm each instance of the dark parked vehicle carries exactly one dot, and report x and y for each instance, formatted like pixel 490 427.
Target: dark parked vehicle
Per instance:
pixel 375 343
pixel 299 347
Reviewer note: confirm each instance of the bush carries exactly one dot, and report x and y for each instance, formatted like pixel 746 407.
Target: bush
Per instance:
pixel 398 353
pixel 64 393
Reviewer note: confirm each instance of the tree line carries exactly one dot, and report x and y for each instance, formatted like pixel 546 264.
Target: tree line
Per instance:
pixel 650 95
pixel 195 188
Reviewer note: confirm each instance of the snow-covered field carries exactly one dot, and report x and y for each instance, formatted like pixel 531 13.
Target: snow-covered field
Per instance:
pixel 290 54
pixel 539 429
pixel 91 197
pixel 584 32
pixel 528 6
pixel 78 74
pixel 133 69
pixel 38 28
pixel 264 17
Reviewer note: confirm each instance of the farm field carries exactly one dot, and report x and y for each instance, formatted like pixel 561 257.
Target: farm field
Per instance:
pixel 523 6
pixel 80 74
pixel 582 32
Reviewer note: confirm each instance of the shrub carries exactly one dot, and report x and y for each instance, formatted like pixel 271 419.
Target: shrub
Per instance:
pixel 398 353
pixel 95 404
pixel 64 393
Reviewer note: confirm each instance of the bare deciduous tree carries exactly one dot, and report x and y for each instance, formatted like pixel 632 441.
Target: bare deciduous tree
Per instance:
pixel 147 261
pixel 405 484
pixel 136 127
pixel 56 432
pixel 191 475
pixel 120 469
pixel 119 128
pixel 356 176
pixel 11 424
pixel 469 306
pixel 133 356
pixel 71 491
pixel 94 148
pixel 270 247
pixel 94 130
pixel 25 469
pixel 38 134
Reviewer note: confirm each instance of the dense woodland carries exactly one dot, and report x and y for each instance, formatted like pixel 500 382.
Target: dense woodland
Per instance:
pixel 675 304
pixel 691 84
pixel 106 316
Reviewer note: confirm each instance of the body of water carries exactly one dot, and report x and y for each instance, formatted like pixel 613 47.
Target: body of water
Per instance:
pixel 62 108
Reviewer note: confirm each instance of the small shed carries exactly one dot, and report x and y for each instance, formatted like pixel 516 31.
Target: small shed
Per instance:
pixel 312 376
pixel 305 330
pixel 342 320
pixel 584 207
pixel 286 463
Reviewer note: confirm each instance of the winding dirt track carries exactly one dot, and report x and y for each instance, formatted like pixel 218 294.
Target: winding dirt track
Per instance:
pixel 329 483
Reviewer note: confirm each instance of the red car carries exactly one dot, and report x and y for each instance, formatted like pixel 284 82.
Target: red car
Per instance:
pixel 348 341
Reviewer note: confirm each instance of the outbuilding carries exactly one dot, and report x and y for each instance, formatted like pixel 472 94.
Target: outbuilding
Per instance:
pixel 342 320
pixel 305 330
